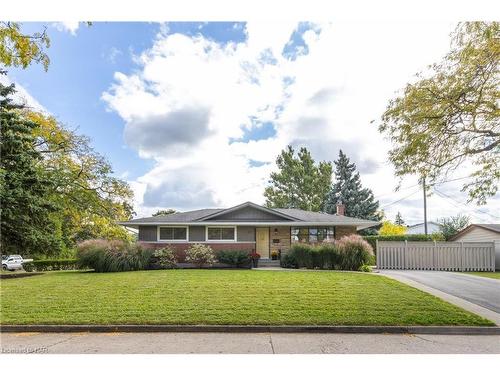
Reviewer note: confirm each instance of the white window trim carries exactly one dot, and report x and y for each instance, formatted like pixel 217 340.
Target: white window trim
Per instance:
pixel 171 226
pixel 221 226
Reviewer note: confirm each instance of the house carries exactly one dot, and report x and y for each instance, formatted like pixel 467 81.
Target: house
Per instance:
pixel 432 227
pixel 478 233
pixel 248 227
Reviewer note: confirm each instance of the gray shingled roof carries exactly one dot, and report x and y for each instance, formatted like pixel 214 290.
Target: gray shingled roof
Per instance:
pixel 299 215
pixel 178 217
pixel 319 216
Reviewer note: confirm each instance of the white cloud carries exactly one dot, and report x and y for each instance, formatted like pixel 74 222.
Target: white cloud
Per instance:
pixel 67 26
pixel 331 95
pixel 22 96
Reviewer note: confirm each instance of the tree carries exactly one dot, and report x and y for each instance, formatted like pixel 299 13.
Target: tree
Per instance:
pixel 451 116
pixel 300 182
pixel 390 229
pixel 359 202
pixel 18 49
pixel 399 219
pixel 89 199
pixel 453 224
pixel 27 212
pixel 168 211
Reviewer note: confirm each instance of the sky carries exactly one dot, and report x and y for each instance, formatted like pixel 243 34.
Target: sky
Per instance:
pixel 194 114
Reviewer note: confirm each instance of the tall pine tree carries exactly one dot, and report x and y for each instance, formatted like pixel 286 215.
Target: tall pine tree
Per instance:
pixel 359 202
pixel 27 224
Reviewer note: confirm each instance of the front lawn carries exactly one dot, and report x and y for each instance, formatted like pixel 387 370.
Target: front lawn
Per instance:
pixel 223 297
pixel 491 275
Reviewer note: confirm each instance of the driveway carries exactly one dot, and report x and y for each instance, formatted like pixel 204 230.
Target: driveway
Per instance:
pixel 481 291
pixel 245 343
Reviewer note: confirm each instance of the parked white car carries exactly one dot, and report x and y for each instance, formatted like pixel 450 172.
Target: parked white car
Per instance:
pixel 12 262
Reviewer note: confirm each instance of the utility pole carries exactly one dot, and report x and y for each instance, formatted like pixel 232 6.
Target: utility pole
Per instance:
pixel 425 206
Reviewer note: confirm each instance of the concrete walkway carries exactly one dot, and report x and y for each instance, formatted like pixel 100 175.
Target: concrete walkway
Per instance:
pixel 245 343
pixel 479 295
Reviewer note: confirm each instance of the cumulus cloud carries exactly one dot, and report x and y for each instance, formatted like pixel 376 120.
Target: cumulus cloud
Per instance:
pixel 67 26
pixel 170 133
pixel 192 102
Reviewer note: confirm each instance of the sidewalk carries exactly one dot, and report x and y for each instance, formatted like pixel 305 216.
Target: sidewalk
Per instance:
pixel 245 343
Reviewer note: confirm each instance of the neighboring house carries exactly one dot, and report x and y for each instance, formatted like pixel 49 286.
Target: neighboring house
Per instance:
pixel 478 233
pixel 248 227
pixel 432 227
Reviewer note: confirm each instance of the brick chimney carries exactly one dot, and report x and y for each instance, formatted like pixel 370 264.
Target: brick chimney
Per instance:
pixel 340 208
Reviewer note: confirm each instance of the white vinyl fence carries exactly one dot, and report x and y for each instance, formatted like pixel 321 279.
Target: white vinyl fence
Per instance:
pixel 436 256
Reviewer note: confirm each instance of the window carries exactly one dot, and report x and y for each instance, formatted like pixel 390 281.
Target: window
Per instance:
pixel 312 235
pixel 221 233
pixel 173 234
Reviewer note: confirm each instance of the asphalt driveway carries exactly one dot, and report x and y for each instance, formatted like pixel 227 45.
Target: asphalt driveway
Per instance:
pixel 481 291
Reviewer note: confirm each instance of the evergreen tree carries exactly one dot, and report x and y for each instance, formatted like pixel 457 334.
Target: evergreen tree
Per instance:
pixel 399 219
pixel 359 202
pixel 27 224
pixel 300 182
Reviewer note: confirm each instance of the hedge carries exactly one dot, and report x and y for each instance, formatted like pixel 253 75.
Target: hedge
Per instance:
pixel 350 253
pixel 372 240
pixel 51 265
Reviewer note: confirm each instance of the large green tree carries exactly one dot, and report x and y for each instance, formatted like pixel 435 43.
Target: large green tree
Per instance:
pixel 90 199
pixel 347 189
pixel 27 212
pixel 450 115
pixel 300 182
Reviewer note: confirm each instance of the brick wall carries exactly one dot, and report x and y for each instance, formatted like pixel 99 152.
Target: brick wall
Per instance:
pixel 180 247
pixel 344 231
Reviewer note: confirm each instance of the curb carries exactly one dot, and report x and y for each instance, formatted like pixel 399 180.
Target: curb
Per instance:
pixel 435 330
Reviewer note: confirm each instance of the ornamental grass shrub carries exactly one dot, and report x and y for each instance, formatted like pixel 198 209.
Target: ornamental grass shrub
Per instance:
pixel 200 255
pixel 354 252
pixel 113 256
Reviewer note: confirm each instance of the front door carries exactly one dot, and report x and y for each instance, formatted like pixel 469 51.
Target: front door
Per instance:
pixel 262 242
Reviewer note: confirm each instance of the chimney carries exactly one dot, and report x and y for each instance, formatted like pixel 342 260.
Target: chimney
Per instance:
pixel 340 209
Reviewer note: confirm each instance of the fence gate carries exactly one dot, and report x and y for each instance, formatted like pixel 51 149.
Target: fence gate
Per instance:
pixel 436 256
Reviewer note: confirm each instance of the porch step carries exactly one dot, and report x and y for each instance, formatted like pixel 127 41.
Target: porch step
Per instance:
pixel 268 263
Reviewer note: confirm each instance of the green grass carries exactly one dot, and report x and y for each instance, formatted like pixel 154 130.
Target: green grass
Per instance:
pixel 491 275
pixel 223 297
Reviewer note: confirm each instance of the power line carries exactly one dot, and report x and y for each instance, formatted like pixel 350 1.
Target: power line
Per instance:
pixel 455 205
pixel 461 204
pixel 399 200
pixel 433 184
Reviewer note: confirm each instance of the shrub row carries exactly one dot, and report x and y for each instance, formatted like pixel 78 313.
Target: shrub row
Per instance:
pixel 115 256
pixel 372 240
pixel 350 253
pixel 51 265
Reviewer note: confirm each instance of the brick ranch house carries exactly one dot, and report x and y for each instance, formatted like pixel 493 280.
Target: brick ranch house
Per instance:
pixel 248 227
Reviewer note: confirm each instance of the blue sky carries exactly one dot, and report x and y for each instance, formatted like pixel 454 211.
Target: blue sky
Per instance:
pixel 82 68
pixel 194 114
